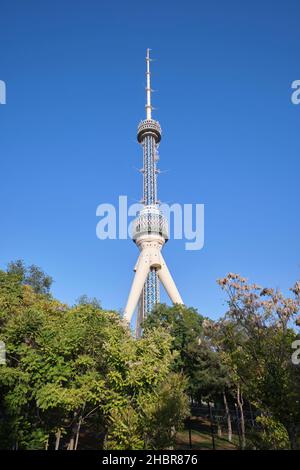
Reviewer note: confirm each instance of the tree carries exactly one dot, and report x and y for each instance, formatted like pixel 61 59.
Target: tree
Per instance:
pixel 185 327
pixel 255 339
pixel 271 435
pixel 196 358
pixel 85 300
pixel 32 276
pixel 74 369
pixel 75 377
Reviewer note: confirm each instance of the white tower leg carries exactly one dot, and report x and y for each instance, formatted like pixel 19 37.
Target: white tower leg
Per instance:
pixel 141 272
pixel 168 282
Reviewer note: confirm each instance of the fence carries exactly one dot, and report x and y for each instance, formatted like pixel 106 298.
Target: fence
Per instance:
pixel 207 428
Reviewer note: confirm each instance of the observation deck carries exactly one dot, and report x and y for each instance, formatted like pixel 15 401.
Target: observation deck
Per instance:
pixel 149 127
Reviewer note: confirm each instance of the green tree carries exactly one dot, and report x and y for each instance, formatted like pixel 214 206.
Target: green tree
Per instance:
pixel 32 276
pixel 271 435
pixel 78 368
pixel 85 300
pixel 255 340
pixel 196 358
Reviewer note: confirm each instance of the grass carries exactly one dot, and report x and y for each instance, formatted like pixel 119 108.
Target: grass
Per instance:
pixel 201 437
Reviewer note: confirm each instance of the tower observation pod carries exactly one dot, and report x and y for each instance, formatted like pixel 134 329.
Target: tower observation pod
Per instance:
pixel 150 228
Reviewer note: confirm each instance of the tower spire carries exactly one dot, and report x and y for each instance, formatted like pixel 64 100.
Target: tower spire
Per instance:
pixel 150 228
pixel 148 86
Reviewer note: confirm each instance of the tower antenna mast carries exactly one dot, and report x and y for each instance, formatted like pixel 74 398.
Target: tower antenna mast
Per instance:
pixel 148 87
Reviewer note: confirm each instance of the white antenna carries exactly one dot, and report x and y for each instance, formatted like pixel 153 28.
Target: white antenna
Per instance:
pixel 148 87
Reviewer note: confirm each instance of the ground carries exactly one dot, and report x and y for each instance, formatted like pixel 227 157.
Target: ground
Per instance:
pixel 201 437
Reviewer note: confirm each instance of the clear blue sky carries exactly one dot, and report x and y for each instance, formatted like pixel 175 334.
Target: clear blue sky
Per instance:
pixel 75 75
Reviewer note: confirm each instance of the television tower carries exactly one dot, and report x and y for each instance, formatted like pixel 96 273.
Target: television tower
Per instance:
pixel 150 228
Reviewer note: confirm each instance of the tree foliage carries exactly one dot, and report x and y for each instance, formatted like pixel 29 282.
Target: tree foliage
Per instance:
pixel 74 368
pixel 254 340
pixel 76 378
pixel 31 275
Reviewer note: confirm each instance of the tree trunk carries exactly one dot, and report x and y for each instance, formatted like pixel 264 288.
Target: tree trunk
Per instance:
pixel 228 417
pixel 238 424
pixel 211 426
pixel 75 435
pixel 78 433
pixel 72 441
pixel 172 434
pixel 251 414
pixel 58 436
pixel 240 403
pixel 292 437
